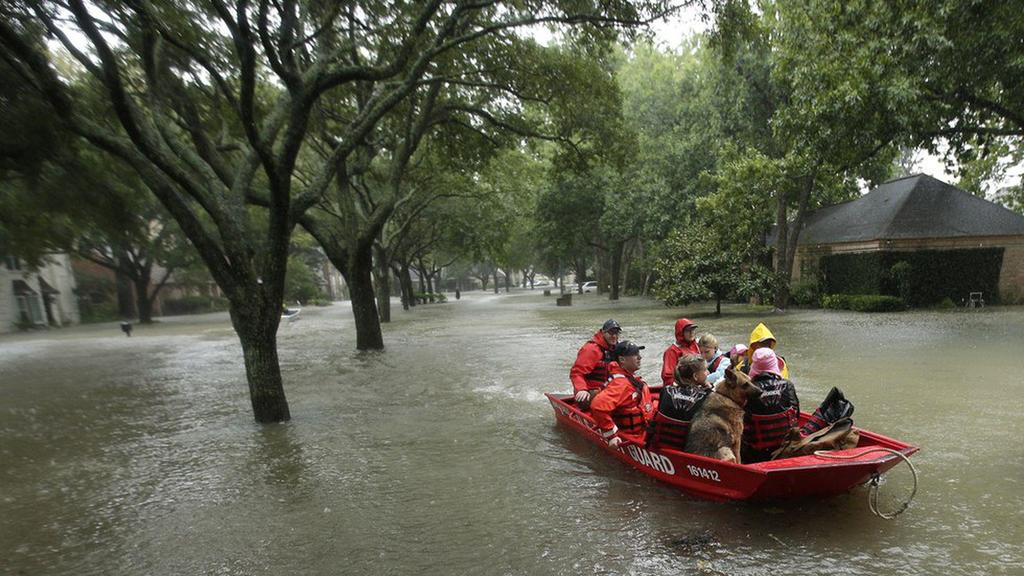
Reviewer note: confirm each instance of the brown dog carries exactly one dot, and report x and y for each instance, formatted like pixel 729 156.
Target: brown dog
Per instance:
pixel 717 429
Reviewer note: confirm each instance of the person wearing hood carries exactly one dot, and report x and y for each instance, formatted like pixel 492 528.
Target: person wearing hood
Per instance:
pixel 685 344
pixel 624 408
pixel 590 371
pixel 762 337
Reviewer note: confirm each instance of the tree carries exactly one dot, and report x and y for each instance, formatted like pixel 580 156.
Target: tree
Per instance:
pixel 211 105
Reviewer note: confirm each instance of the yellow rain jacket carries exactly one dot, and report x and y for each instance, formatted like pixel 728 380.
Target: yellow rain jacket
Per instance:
pixel 761 333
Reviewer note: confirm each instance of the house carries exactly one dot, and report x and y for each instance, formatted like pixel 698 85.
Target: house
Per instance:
pixel 43 297
pixel 955 242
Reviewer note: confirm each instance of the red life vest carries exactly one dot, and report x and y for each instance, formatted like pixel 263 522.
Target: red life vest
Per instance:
pixel 714 363
pixel 598 377
pixel 768 419
pixel 631 417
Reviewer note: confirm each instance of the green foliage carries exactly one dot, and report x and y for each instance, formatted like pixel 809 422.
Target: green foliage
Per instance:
pixel 901 274
pixel 862 302
pixel 805 293
pixel 695 265
pixel 194 305
pixel 920 278
pixel 300 283
pixel 430 297
pixel 91 312
pixel 946 304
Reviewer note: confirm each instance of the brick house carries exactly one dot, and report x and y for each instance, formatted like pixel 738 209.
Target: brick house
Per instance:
pixel 919 214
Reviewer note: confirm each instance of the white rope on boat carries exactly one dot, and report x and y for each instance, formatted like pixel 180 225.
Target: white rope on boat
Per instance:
pixel 873 490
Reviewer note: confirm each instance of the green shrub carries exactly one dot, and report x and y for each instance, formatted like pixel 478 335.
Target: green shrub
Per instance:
pixel 836 301
pixel 805 293
pixel 946 304
pixel 921 278
pixel 862 302
pixel 320 302
pixel 876 303
pixel 90 312
pixel 194 305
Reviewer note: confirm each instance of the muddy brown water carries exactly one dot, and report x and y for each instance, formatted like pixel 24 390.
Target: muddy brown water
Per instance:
pixel 128 456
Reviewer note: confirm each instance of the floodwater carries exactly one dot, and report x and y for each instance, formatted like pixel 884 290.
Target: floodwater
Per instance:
pixel 129 456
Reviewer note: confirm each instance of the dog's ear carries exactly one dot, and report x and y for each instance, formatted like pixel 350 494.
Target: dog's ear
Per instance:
pixel 730 375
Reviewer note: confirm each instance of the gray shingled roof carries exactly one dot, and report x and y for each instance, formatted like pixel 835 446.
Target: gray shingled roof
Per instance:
pixel 913 207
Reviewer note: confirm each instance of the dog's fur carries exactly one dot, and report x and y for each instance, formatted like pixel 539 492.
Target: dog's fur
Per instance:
pixel 717 429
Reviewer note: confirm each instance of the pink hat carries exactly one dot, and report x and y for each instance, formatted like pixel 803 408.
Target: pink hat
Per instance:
pixel 738 349
pixel 764 360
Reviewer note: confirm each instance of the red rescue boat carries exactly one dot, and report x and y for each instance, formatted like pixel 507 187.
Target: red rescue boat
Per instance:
pixel 810 476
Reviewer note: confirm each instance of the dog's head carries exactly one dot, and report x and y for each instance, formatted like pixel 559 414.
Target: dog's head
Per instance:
pixel 738 387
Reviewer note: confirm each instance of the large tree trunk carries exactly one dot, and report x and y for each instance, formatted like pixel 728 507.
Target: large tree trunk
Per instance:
pixel 123 283
pixel 495 280
pixel 616 266
pixel 405 279
pixel 405 296
pixel 143 300
pixel 257 331
pixel 508 281
pixel 786 244
pixel 364 306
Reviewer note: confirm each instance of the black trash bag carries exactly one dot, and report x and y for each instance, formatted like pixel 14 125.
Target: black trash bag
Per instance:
pixel 834 408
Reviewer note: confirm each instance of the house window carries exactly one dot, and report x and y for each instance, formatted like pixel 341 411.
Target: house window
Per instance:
pixel 30 310
pixel 12 263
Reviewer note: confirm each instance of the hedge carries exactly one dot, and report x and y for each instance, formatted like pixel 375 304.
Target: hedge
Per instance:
pixel 863 302
pixel 921 278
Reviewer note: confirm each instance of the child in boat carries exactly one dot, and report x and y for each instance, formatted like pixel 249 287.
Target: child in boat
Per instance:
pixel 624 407
pixel 762 337
pixel 685 343
pixel 692 370
pixel 716 360
pixel 679 402
pixel 736 354
pixel 770 416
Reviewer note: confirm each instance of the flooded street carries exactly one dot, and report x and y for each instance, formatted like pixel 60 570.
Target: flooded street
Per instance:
pixel 128 456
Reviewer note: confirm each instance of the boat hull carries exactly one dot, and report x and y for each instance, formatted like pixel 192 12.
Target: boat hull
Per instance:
pixel 810 476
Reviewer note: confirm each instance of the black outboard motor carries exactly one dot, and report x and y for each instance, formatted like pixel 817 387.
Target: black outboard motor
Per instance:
pixel 126 327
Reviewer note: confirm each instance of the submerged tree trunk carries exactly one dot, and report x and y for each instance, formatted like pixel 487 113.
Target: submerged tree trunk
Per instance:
pixel 495 280
pixel 359 278
pixel 143 300
pixel 256 326
pixel 405 279
pixel 616 266
pixel 786 243
pixel 125 300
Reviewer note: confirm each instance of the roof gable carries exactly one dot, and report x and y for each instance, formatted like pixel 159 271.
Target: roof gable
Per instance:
pixel 914 207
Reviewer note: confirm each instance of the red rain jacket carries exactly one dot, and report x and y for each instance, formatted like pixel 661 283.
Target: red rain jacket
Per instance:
pixel 590 371
pixel 672 354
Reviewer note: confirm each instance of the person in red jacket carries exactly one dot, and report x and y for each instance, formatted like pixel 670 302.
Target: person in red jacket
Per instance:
pixel 624 408
pixel 685 344
pixel 590 371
